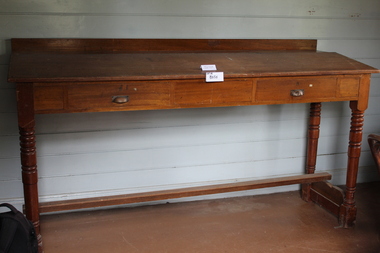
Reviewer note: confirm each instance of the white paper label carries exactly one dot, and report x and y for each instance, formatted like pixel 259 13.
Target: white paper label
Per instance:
pixel 214 77
pixel 208 67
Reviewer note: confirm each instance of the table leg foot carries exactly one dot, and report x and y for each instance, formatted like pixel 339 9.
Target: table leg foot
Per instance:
pixel 347 216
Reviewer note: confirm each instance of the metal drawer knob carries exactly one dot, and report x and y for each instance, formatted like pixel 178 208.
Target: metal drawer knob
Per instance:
pixel 120 99
pixel 296 93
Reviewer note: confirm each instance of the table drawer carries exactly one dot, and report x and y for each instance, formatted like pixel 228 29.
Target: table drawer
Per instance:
pixel 198 92
pixel 306 89
pixel 118 96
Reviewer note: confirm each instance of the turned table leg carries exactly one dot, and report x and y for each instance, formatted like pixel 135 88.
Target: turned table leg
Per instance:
pixel 312 145
pixel 347 215
pixel 28 155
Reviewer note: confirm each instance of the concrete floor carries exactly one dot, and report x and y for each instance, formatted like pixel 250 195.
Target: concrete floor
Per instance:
pixel 279 222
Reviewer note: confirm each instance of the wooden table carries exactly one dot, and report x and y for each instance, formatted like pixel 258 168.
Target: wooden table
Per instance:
pixel 97 75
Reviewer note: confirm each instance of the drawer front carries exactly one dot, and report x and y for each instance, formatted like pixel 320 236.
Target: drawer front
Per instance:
pixel 198 92
pixel 118 96
pixel 306 89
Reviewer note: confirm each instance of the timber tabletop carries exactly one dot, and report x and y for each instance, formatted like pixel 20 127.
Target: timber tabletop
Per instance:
pixel 56 67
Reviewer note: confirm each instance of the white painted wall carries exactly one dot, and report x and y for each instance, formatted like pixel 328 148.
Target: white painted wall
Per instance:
pixel 93 154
